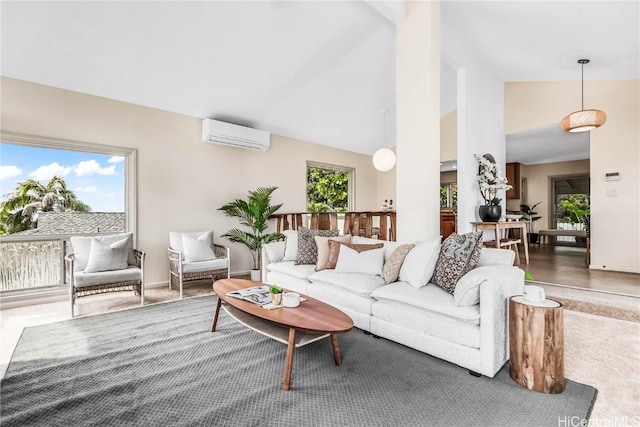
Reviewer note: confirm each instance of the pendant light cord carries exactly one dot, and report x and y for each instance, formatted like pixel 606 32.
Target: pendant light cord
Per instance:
pixel 582 108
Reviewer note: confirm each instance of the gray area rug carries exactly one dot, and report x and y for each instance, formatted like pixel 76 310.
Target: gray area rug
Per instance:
pixel 160 365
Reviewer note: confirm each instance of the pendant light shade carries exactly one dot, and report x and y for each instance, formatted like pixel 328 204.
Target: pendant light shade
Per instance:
pixel 583 120
pixel 384 159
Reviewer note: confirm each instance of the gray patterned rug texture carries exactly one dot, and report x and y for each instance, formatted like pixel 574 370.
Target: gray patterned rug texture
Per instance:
pixel 161 366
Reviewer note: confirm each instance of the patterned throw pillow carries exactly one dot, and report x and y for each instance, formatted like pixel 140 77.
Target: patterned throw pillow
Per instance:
pixel 307 249
pixel 458 255
pixel 391 269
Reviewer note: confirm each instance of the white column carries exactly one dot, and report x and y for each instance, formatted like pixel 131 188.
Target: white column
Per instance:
pixel 418 122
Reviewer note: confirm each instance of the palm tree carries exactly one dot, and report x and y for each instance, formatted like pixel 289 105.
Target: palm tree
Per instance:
pixel 19 211
pixel 254 214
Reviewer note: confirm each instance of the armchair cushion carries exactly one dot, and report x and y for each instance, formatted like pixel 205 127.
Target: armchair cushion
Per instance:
pixel 196 266
pixel 105 257
pixel 81 278
pixel 198 247
pixel 175 239
pixel 82 246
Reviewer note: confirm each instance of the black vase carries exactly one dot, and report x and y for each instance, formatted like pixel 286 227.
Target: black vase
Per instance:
pixel 490 213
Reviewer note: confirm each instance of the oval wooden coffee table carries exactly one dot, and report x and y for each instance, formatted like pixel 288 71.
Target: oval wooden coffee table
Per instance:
pixel 311 321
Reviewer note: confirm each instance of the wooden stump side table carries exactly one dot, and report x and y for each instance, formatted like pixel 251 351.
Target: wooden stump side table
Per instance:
pixel 536 344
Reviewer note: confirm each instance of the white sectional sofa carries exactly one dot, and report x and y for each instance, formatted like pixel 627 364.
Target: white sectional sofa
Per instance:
pixel 426 318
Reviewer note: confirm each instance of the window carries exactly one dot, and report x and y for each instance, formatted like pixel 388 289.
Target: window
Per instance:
pixel 449 195
pixel 329 188
pixel 52 189
pixel 571 201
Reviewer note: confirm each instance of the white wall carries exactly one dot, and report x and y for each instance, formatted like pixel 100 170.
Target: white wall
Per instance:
pixel 615 147
pixel 418 122
pixel 480 123
pixel 181 180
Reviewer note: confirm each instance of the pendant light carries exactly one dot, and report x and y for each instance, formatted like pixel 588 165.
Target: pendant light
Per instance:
pixel 583 120
pixel 384 159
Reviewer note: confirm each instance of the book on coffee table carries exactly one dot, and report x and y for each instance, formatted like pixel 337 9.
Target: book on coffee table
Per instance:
pixel 259 295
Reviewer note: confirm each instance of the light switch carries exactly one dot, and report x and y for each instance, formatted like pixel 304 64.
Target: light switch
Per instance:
pixel 612 192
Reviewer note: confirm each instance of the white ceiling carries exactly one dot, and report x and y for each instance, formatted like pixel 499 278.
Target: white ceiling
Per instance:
pixel 546 144
pixel 316 71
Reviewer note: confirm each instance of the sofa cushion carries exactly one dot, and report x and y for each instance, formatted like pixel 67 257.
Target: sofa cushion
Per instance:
pixel 391 268
pixel 291 245
pixel 175 239
pixel 458 255
pixel 323 249
pixel 334 250
pixel 82 245
pixel 420 262
pixel 198 247
pixel 301 271
pixel 275 251
pixel 362 284
pixel 341 298
pixel 428 297
pixel 307 249
pixel 105 257
pixel 196 266
pixel 435 324
pixel 81 279
pixel 364 262
pixel 493 256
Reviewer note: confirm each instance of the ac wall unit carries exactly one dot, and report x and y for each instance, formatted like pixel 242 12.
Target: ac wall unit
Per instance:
pixel 217 132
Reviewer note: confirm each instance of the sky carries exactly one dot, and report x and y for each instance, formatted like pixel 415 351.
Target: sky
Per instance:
pixel 96 179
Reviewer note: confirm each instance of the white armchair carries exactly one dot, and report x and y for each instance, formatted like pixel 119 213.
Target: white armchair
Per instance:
pixel 194 256
pixel 101 264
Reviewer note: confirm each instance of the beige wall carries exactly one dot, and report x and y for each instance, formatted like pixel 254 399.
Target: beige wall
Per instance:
pixel 538 186
pixel 615 147
pixel 449 136
pixel 181 180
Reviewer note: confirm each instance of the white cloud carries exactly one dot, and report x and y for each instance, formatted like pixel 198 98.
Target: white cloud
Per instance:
pixel 46 172
pixel 86 189
pixel 91 167
pixel 9 171
pixel 115 159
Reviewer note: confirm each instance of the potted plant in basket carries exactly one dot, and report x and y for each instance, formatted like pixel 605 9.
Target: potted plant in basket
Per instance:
pixel 254 214
pixel 490 182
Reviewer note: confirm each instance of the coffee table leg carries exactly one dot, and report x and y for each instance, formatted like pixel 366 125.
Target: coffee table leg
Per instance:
pixel 215 315
pixel 288 365
pixel 336 350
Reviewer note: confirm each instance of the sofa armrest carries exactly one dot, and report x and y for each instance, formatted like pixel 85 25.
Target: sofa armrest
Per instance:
pixel 494 256
pixel 502 282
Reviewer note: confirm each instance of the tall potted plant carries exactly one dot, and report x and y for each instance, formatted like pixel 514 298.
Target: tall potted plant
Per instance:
pixel 254 214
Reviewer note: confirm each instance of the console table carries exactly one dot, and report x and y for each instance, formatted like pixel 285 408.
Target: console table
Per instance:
pixel 498 227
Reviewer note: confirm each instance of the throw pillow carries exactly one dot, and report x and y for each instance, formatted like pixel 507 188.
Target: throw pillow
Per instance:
pixel 82 245
pixel 365 262
pixel 198 248
pixel 275 251
pixel 467 291
pixel 307 249
pixel 420 262
pixel 391 268
pixel 323 248
pixel 291 245
pixel 458 255
pixel 107 256
pixel 334 251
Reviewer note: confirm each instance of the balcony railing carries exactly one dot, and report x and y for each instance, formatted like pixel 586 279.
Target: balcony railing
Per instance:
pixel 28 262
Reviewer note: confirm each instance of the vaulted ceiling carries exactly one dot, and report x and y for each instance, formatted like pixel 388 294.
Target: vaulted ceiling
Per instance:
pixel 316 71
